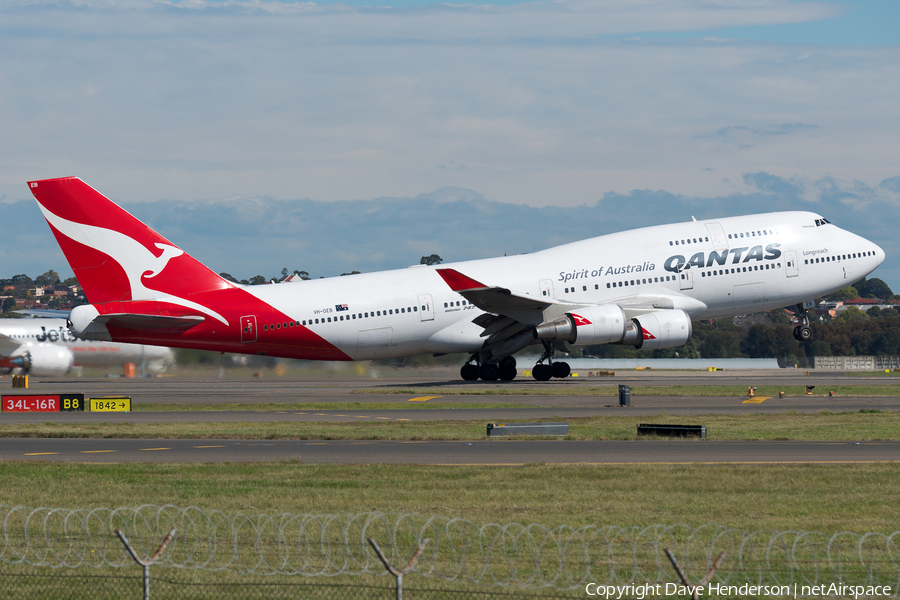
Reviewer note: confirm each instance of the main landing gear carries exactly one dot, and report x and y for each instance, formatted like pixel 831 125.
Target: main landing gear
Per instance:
pixel 505 370
pixel 802 332
pixel 480 367
pixel 543 372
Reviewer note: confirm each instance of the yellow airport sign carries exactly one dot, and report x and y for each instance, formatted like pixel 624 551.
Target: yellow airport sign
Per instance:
pixel 117 404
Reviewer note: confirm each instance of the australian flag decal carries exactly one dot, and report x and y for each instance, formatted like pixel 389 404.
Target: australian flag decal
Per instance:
pixel 340 307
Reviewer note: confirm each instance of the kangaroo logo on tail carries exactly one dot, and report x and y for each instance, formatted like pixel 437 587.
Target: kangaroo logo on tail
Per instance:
pixel 136 260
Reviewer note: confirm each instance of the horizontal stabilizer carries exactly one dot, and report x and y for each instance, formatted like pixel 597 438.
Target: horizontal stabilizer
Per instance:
pixel 45 312
pixel 136 321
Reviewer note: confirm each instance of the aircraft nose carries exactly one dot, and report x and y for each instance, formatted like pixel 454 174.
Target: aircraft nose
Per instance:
pixel 879 253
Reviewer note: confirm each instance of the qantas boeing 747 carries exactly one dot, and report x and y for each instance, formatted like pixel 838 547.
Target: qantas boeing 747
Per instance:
pixel 641 288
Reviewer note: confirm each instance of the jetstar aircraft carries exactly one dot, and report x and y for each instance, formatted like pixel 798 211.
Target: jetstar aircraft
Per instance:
pixel 47 347
pixel 641 287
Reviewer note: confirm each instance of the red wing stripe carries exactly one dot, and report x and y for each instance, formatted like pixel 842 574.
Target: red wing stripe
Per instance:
pixel 459 282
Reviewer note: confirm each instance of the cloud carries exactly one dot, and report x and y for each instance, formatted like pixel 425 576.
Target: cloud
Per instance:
pixel 543 103
pixel 788 191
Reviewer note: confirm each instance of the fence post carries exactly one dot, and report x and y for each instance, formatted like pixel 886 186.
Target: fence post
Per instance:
pixel 146 563
pixel 694 588
pixel 398 573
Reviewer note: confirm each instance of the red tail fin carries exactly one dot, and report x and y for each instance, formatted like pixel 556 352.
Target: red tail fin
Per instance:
pixel 116 258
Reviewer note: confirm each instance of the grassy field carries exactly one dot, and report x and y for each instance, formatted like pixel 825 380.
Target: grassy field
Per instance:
pixel 812 497
pixel 824 426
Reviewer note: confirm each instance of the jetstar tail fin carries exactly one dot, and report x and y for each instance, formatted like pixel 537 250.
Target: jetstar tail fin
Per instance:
pixel 117 258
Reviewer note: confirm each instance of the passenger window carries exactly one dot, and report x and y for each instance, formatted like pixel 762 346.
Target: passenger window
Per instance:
pixel 607 285
pixel 584 288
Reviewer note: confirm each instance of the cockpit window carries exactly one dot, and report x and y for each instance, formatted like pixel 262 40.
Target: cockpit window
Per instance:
pixel 820 222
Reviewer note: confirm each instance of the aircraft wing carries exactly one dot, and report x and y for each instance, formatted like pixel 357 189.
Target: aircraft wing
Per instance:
pixel 498 300
pixel 8 345
pixel 529 310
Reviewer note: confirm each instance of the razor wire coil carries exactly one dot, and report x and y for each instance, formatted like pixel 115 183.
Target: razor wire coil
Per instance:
pixel 511 555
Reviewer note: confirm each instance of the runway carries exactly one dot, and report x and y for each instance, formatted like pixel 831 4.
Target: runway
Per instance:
pixel 482 452
pixel 367 399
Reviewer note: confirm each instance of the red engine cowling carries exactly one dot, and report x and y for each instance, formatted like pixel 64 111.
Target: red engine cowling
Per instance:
pixel 607 324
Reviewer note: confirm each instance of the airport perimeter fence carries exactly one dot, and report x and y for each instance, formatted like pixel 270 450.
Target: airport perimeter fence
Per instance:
pixel 63 553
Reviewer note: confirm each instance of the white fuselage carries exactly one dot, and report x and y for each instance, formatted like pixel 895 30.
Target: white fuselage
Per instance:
pixel 712 268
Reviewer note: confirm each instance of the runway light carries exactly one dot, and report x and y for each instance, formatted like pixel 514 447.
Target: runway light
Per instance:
pixel 781 394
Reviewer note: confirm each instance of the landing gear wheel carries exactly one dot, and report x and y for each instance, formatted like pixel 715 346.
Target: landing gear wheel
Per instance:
pixel 804 333
pixel 509 361
pixel 797 333
pixel 469 372
pixel 507 373
pixel 489 372
pixel 542 372
pixel 560 369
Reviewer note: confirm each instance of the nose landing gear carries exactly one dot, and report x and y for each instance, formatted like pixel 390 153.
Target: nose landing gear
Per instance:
pixel 802 332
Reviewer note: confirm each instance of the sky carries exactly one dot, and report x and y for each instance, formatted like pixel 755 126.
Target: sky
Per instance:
pixel 384 132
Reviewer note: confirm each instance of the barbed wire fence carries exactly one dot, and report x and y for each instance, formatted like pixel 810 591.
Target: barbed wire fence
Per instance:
pixel 68 553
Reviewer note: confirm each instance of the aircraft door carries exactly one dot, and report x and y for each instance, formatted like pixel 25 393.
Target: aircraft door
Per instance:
pixel 546 288
pixel 791 268
pixel 248 329
pixel 426 308
pixel 687 283
pixel 717 234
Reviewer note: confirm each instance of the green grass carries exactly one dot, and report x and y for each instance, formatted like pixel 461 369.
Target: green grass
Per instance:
pixel 779 497
pixel 825 426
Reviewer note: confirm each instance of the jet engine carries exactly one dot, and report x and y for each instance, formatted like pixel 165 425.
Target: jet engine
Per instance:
pixel 607 324
pixel 44 359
